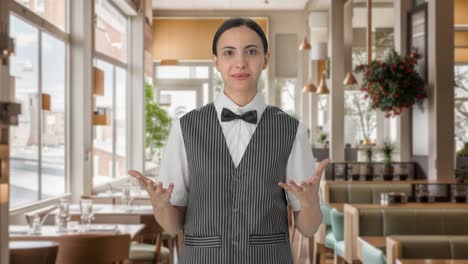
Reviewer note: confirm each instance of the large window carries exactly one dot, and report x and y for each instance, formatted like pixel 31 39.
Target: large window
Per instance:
pixel 52 10
pixel 109 144
pixel 461 105
pixel 110 138
pixel 360 120
pixel 287 87
pixel 110 30
pixel 38 143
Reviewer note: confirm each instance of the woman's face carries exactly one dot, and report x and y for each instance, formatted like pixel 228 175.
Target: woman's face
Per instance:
pixel 240 59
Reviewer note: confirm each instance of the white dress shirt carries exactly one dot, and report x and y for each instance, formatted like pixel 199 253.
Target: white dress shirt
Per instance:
pixel 174 165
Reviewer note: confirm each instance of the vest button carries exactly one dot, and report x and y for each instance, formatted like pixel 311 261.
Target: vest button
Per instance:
pixel 235 243
pixel 236 210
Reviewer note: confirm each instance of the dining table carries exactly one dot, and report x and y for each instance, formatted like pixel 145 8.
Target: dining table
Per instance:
pixel 22 232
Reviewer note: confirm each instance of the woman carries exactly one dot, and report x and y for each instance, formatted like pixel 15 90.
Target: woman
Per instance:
pixel 223 173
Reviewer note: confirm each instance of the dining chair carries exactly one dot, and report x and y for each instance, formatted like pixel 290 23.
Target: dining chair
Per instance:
pixel 98 248
pixel 151 248
pixel 42 252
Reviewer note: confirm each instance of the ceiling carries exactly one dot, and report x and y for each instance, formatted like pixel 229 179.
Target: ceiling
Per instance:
pixel 230 4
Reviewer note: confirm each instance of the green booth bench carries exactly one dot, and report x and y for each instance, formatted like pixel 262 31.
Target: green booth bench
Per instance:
pixel 348 192
pixel 427 247
pixel 404 219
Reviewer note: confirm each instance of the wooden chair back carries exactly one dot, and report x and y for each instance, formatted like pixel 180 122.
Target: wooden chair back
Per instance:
pixel 42 252
pixel 95 248
pixel 99 248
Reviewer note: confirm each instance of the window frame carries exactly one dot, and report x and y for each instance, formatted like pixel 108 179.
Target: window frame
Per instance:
pixel 114 62
pixel 42 25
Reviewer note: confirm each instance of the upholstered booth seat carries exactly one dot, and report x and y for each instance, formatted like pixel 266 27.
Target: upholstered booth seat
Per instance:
pixel 367 193
pixel 353 192
pixel 394 221
pixel 427 247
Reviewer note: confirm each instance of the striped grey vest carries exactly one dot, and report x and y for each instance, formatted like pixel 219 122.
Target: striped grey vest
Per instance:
pixel 237 215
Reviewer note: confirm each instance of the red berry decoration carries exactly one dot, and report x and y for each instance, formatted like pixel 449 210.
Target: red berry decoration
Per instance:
pixel 393 84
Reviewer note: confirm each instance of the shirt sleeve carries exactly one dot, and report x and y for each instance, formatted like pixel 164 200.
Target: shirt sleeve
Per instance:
pixel 301 163
pixel 174 166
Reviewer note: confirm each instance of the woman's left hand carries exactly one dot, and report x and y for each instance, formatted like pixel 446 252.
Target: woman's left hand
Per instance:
pixel 306 192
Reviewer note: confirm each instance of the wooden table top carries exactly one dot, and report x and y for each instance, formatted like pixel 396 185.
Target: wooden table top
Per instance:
pixel 337 182
pixel 17 232
pixel 411 205
pixel 432 261
pixel 19 245
pixel 141 195
pixel 110 209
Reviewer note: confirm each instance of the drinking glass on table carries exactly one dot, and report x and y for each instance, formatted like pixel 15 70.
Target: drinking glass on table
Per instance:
pixel 86 211
pixel 127 197
pixel 63 215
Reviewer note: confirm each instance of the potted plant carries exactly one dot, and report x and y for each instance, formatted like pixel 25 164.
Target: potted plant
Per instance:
pixel 367 169
pixel 393 84
pixel 158 123
pixel 461 174
pixel 322 138
pixel 462 156
pixel 387 151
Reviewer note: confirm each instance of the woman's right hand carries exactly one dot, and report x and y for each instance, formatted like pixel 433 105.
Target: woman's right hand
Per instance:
pixel 159 195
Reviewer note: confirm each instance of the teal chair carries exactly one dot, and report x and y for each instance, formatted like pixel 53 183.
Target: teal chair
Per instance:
pixel 373 255
pixel 337 226
pixel 320 250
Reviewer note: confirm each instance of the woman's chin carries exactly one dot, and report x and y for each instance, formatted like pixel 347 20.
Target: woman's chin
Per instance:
pixel 240 87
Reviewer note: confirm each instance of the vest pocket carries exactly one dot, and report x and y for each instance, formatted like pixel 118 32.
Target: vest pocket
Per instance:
pixel 267 240
pixel 196 241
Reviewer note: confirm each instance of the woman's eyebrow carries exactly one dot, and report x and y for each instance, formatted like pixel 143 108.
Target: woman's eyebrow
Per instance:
pixel 250 46
pixel 246 47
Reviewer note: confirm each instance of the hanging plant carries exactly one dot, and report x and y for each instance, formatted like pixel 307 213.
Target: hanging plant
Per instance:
pixel 393 84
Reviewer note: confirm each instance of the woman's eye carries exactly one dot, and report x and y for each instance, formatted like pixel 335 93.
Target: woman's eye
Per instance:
pixel 252 52
pixel 228 53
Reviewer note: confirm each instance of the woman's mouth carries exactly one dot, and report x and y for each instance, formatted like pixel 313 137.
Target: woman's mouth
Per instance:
pixel 240 76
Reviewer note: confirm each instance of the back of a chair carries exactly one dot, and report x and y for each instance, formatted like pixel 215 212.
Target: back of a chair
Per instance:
pixel 95 248
pixel 99 248
pixel 42 252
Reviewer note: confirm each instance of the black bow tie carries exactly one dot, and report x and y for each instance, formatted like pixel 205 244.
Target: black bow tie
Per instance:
pixel 228 115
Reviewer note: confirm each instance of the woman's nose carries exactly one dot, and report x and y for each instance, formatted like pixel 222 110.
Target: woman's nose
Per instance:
pixel 241 61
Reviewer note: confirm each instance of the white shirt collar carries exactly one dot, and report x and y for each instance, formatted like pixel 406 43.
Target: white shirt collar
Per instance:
pixel 223 101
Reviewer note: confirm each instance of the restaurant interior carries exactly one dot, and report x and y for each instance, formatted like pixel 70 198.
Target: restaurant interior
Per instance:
pixel 89 90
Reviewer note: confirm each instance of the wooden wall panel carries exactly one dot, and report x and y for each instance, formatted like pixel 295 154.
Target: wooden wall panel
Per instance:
pixel 187 38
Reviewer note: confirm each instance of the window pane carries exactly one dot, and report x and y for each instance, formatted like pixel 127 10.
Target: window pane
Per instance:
pixel 287 95
pixel 110 31
pixel 53 122
pixel 461 105
pixel 24 150
pixel 103 135
pixel 360 119
pixel 218 83
pixel 52 10
pixel 172 72
pixel 182 102
pixel 201 72
pixel 120 119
